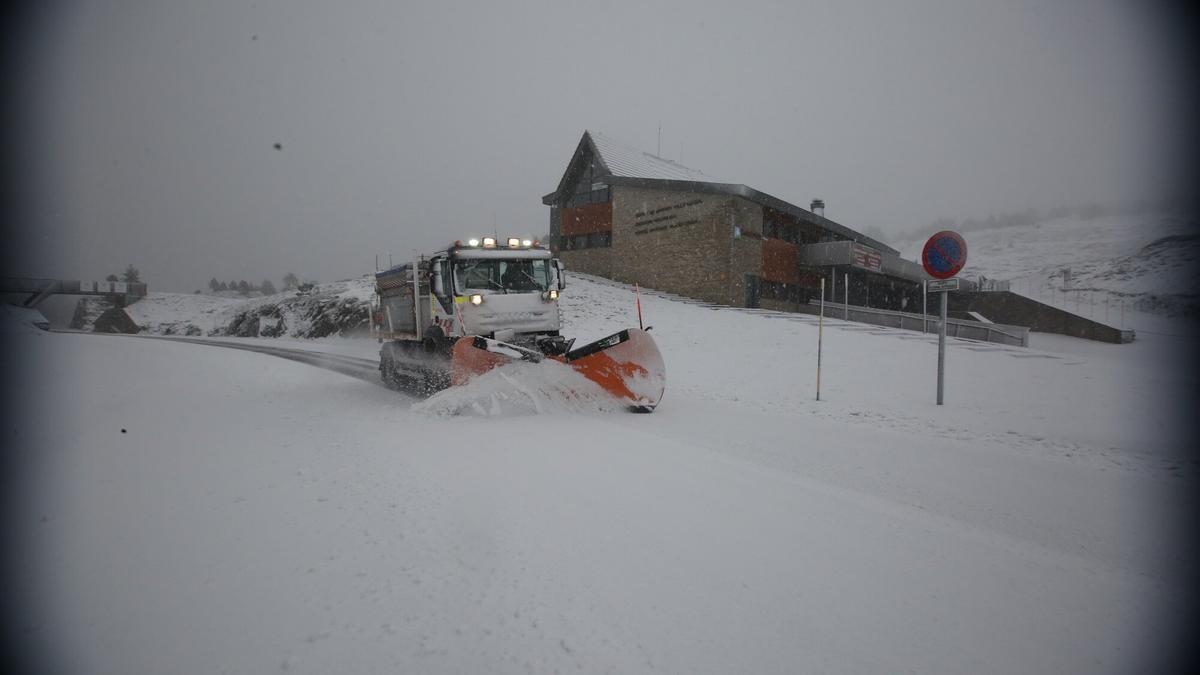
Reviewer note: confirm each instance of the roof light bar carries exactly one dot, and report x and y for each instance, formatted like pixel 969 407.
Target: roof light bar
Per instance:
pixel 489 242
pixel 513 242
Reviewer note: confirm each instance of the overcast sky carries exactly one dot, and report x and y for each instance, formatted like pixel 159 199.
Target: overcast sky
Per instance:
pixel 148 129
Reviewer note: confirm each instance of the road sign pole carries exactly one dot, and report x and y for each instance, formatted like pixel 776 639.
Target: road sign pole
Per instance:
pixel 942 348
pixel 820 334
pixel 944 256
pixel 846 298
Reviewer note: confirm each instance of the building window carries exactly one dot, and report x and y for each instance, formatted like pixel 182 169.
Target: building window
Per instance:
pixel 555 227
pixel 585 241
pixel 779 226
pixel 775 290
pixel 588 187
pixel 591 197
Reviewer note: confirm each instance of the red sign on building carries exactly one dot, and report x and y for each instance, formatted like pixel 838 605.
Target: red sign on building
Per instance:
pixel 866 257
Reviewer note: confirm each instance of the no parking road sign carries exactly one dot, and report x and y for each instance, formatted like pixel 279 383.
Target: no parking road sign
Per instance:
pixel 944 255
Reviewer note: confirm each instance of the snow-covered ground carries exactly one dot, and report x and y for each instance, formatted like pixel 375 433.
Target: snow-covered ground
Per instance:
pixel 187 508
pixel 323 311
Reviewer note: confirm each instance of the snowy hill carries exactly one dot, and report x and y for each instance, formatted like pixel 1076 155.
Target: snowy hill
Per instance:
pixel 336 308
pixel 1147 261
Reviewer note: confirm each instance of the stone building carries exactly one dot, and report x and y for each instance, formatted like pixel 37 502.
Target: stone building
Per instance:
pixel 631 216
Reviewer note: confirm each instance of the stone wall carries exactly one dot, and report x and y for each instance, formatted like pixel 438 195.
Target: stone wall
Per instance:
pixel 746 250
pixel 597 261
pixel 669 241
pixel 696 245
pixel 682 242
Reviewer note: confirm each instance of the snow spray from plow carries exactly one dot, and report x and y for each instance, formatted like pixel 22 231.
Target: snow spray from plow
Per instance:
pixel 626 365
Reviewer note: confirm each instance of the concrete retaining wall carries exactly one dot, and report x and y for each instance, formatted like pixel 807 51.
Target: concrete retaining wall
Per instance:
pixel 1011 308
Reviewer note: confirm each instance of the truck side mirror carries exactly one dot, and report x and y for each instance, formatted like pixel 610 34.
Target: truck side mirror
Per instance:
pixel 435 282
pixel 558 272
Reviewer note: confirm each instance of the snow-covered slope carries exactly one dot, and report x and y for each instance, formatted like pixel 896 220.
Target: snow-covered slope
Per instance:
pixel 201 509
pixel 336 308
pixel 22 318
pixel 1149 261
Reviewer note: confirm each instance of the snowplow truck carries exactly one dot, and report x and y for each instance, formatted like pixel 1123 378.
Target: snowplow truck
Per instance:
pixel 450 316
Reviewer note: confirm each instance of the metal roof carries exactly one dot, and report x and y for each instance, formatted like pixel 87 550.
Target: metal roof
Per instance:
pixel 627 162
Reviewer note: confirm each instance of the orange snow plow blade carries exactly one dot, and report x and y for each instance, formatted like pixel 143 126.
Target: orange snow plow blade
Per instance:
pixel 473 356
pixel 627 364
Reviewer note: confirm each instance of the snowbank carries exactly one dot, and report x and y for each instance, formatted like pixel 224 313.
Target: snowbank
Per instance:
pixel 15 319
pixel 337 308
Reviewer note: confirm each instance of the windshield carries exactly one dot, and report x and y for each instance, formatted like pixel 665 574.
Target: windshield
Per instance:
pixel 502 276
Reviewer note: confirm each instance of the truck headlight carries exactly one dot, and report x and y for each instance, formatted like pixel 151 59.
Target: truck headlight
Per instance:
pixel 552 294
pixel 476 299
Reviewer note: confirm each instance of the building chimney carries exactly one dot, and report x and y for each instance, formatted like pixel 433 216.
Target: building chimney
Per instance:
pixel 818 207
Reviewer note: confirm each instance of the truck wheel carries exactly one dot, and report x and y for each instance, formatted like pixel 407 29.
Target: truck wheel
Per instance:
pixel 387 372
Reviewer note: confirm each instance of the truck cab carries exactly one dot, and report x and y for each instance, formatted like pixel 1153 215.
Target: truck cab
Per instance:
pixel 507 292
pixel 503 293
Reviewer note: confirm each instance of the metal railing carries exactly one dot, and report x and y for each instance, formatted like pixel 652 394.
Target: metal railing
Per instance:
pixel 71 287
pixel 959 328
pixel 992 285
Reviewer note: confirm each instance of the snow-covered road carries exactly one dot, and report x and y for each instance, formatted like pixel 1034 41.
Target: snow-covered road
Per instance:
pixel 366 369
pixel 216 510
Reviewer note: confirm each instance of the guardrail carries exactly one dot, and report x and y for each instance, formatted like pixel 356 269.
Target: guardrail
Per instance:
pixel 992 285
pixel 137 289
pixel 1017 336
pixel 71 287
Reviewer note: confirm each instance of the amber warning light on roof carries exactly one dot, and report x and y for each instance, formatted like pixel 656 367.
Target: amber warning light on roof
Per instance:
pixel 490 242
